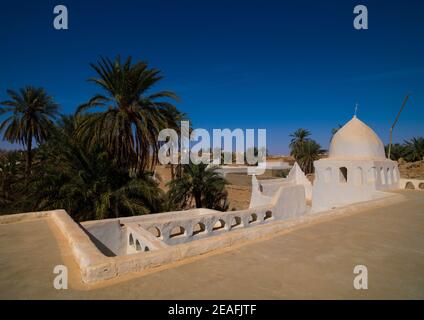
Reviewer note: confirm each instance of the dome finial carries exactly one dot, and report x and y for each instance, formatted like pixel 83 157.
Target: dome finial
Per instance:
pixel 356 109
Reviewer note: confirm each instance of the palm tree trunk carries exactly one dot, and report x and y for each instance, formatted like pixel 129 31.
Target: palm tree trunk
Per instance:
pixel 172 171
pixel 198 200
pixel 29 158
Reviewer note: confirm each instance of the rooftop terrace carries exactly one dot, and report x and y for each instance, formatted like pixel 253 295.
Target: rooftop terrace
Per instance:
pixel 312 261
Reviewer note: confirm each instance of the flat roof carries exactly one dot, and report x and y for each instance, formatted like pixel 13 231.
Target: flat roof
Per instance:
pixel 315 261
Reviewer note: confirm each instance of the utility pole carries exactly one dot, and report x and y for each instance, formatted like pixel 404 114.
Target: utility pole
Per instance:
pixel 394 123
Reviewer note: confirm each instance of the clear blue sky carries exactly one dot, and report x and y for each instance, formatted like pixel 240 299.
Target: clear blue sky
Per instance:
pixel 278 65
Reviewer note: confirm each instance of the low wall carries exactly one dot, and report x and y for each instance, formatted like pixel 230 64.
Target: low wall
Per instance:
pixel 108 236
pixel 107 248
pixel 268 169
pixel 186 229
pixel 95 266
pixel 416 184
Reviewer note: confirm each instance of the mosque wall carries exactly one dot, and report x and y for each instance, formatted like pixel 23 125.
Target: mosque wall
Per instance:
pixel 340 182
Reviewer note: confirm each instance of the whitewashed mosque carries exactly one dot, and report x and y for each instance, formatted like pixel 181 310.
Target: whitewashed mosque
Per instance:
pixel 356 173
pixel 356 169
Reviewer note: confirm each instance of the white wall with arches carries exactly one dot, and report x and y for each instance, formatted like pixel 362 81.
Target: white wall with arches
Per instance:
pixel 339 182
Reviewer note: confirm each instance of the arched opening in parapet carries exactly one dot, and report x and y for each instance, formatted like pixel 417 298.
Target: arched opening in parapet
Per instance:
pixel 154 231
pixel 235 222
pixel 199 228
pixel 409 185
pixel 268 215
pixel 176 232
pixel 146 248
pixel 343 174
pixel 253 218
pixel 219 225
pixel 137 245
pixel 421 185
pixel 131 240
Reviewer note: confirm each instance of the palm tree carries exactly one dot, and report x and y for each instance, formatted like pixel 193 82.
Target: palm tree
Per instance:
pixel 397 151
pixel 31 111
pixel 298 138
pixel 414 149
pixel 88 182
pixel 201 184
pixel 174 118
pixel 133 117
pixel 307 153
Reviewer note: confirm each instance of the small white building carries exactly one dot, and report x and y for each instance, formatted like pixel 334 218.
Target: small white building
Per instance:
pixel 356 169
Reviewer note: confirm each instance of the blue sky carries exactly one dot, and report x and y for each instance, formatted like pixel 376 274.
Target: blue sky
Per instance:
pixel 278 65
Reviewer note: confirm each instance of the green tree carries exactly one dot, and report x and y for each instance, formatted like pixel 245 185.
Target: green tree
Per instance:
pixel 307 153
pixel 201 184
pixel 133 117
pixel 30 114
pixel 298 138
pixel 88 182
pixel 396 152
pixel 414 149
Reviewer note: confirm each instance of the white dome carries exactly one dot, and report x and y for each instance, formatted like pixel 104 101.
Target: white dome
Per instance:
pixel 355 140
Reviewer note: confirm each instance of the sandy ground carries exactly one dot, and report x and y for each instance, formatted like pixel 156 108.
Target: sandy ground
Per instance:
pixel 316 261
pixel 238 197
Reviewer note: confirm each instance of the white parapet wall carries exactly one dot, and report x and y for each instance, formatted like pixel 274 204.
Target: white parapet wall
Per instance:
pixel 108 248
pixel 156 231
pixel 253 170
pixel 96 266
pixel 265 191
pixel 417 184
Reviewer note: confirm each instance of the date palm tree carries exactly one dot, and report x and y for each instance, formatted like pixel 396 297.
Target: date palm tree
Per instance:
pixel 307 153
pixel 88 182
pixel 298 138
pixel 132 116
pixel 414 149
pixel 201 184
pixel 397 151
pixel 30 114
